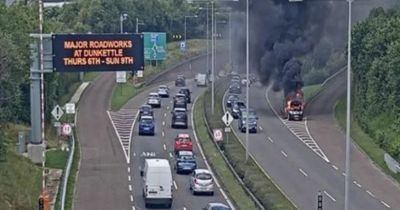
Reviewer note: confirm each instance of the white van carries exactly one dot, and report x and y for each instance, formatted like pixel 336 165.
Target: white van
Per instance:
pixel 201 79
pixel 157 185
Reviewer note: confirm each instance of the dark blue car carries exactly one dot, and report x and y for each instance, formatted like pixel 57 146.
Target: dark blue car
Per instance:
pixel 185 162
pixel 146 125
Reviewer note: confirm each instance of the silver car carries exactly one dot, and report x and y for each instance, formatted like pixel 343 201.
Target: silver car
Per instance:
pixel 163 91
pixel 202 181
pixel 154 100
pixel 216 206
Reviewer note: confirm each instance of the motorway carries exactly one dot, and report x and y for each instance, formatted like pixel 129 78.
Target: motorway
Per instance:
pixel 104 177
pixel 295 164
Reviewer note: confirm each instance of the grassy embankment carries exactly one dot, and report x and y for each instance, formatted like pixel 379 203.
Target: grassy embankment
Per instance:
pixel 122 93
pixel 230 184
pixel 363 140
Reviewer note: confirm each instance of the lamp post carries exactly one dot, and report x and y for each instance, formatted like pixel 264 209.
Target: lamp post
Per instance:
pixel 122 17
pixel 247 80
pixel 188 16
pixel 207 37
pixel 137 25
pixel 230 34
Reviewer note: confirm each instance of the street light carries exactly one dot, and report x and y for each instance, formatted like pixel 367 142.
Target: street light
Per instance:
pixel 247 80
pixel 122 17
pixel 207 37
pixel 137 25
pixel 230 34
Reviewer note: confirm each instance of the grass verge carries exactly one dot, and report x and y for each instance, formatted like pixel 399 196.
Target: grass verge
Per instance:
pixel 122 93
pixel 363 140
pixel 228 180
pixel 20 180
pixel 311 91
pixel 56 159
pixel 252 175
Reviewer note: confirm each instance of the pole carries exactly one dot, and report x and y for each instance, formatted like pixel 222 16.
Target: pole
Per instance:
pixel 212 57
pixel 230 41
pixel 319 201
pixel 347 177
pixel 185 30
pixel 121 23
pixel 247 80
pixel 137 25
pixel 208 42
pixel 42 92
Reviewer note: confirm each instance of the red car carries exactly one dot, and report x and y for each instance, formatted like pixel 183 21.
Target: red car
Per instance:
pixel 183 142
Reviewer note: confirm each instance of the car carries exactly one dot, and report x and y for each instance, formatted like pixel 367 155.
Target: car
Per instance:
pixel 216 206
pixel 252 112
pixel 154 100
pixel 235 78
pixel 186 92
pixel 179 118
pixel 231 99
pixel 146 125
pixel 236 107
pixel 145 110
pixel 201 181
pixel 180 81
pixel 183 142
pixel 185 162
pixel 235 88
pixel 180 101
pixel 163 91
pixel 252 124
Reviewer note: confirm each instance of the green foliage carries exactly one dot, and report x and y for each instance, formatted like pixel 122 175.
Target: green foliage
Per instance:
pixel 376 67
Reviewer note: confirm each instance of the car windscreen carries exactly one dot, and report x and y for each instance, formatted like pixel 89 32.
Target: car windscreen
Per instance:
pixel 183 140
pixel 219 208
pixel 203 176
pixel 146 121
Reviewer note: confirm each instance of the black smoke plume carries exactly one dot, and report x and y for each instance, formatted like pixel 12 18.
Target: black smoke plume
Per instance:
pixel 282 32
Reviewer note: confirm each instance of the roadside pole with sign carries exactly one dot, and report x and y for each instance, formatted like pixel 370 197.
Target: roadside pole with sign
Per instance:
pixel 120 79
pixel 227 118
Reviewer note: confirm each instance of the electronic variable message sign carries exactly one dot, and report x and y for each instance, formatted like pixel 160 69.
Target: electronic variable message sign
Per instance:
pixel 97 52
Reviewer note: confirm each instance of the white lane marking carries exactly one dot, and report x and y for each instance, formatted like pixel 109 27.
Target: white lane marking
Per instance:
pixel 130 188
pixel 335 167
pixel 134 154
pixel 167 107
pixel 304 173
pixel 165 114
pixel 129 178
pixel 283 153
pixel 184 208
pixel 260 128
pixel 356 183
pixel 133 208
pixel 170 155
pixel 176 186
pixel 271 140
pixel 162 133
pixel 129 169
pixel 385 204
pixel 370 193
pixel 163 123
pixel 165 147
pixel 343 174
pixel 131 198
pixel 330 196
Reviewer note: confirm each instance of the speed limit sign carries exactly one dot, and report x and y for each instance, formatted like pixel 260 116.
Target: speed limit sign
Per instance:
pixel 218 136
pixel 66 129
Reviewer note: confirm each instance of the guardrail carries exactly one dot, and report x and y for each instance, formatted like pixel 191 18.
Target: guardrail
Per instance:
pixel 67 171
pixel 242 184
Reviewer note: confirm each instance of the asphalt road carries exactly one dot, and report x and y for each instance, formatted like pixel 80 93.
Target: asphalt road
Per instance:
pixel 103 180
pixel 322 125
pixel 293 166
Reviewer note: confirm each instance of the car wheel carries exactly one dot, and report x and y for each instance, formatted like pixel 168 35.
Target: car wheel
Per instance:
pixel 212 193
pixel 194 192
pixel 169 205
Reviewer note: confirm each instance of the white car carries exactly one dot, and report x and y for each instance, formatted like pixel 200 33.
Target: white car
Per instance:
pixel 163 91
pixel 154 100
pixel 202 181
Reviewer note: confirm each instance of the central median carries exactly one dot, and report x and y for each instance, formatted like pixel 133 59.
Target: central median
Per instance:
pixel 252 188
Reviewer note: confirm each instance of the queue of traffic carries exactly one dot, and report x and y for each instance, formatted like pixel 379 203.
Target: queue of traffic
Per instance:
pixel 157 172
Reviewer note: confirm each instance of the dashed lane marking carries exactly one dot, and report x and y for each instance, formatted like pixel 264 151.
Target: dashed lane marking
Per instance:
pixel 170 155
pixel 123 122
pixel 304 173
pixel 283 153
pixel 300 130
pixel 184 208
pixel 133 208
pixel 330 196
pixel 165 147
pixel 129 169
pixel 165 114
pixel 260 128
pixel 343 174
pixel 176 186
pixel 356 183
pixel 162 133
pixel 370 193
pixel 129 178
pixel 335 167
pixel 163 123
pixel 130 188
pixel 131 198
pixel 385 204
pixel 271 140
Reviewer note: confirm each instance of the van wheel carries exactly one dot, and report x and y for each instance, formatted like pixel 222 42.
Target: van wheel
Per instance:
pixel 169 205
pixel 147 205
pixel 212 193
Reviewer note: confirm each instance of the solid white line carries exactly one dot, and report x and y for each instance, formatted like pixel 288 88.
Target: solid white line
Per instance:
pixel 272 141
pixel 356 183
pixel 130 188
pixel 387 206
pixel 335 167
pixel 304 173
pixel 330 196
pixel 283 153
pixel 129 178
pixel 131 198
pixel 176 186
pixel 165 147
pixel 129 169
pixel 370 193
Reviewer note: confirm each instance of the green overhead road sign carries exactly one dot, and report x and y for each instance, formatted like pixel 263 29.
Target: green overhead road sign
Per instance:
pixel 155 44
